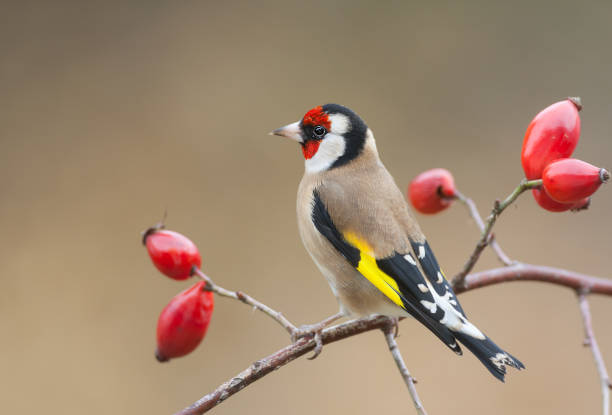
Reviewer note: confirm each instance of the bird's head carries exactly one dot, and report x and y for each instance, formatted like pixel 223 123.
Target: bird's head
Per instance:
pixel 330 135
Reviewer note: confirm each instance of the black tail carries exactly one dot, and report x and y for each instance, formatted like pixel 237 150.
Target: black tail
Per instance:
pixel 490 354
pixel 443 333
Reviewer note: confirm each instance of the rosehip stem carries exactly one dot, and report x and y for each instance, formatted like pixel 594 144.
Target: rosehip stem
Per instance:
pixel 523 186
pixel 246 299
pixel 486 237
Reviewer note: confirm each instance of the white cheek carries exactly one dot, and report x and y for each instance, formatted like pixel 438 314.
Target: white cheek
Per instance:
pixel 331 149
pixel 339 124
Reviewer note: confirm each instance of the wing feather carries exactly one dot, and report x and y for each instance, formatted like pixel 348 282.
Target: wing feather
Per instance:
pixel 434 273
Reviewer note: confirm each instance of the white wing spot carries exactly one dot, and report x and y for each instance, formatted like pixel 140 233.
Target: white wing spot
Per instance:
pixel 440 279
pixel 410 259
pixel 452 318
pixel 421 252
pixel 432 307
pixel 423 288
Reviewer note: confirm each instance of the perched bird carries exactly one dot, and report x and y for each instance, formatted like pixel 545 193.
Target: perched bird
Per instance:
pixel 357 227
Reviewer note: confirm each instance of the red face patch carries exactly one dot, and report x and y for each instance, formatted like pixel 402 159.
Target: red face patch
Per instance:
pixel 317 116
pixel 309 148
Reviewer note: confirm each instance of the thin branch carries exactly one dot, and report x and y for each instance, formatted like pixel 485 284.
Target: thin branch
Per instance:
pixel 389 331
pixel 518 272
pixel 277 360
pixel 590 340
pixel 485 239
pixel 247 299
pixel 528 272
pixel 473 210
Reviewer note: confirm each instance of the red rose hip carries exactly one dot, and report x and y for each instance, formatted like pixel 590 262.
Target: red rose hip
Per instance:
pixel 570 180
pixel 173 254
pixel 547 203
pixel 551 205
pixel 553 134
pixel 432 191
pixel 581 204
pixel 182 324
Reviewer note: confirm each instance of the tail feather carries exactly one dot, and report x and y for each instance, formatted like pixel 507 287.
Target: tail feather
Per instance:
pixel 491 355
pixel 441 331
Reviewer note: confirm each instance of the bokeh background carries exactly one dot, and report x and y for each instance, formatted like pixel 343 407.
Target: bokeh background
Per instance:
pixel 113 112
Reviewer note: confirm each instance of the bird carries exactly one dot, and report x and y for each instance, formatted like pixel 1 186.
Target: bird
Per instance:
pixel 358 229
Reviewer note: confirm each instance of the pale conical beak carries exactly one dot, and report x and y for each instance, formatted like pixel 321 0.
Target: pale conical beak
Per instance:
pixel 292 131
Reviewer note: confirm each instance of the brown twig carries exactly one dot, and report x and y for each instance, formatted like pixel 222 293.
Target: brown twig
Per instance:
pixel 527 272
pixel 518 272
pixel 485 239
pixel 389 331
pixel 277 360
pixel 591 341
pixel 473 210
pixel 247 299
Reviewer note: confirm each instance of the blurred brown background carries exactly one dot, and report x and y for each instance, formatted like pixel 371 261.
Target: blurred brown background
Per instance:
pixel 115 111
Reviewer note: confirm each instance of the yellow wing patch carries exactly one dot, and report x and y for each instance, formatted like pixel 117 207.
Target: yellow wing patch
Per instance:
pixel 368 268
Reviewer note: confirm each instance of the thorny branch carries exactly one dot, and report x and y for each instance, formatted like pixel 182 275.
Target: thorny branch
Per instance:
pixel 462 282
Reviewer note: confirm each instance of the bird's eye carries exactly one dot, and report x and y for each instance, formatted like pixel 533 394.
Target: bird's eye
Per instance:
pixel 319 131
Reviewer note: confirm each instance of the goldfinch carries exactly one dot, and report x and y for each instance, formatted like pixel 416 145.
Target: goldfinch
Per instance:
pixel 357 227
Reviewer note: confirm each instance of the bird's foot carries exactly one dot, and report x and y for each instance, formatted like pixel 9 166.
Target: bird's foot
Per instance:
pixel 315 331
pixel 395 323
pixel 310 330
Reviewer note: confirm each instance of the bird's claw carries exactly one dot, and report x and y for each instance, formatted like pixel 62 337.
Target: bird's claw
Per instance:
pixel 314 331
pixel 302 331
pixel 395 322
pixel 318 345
